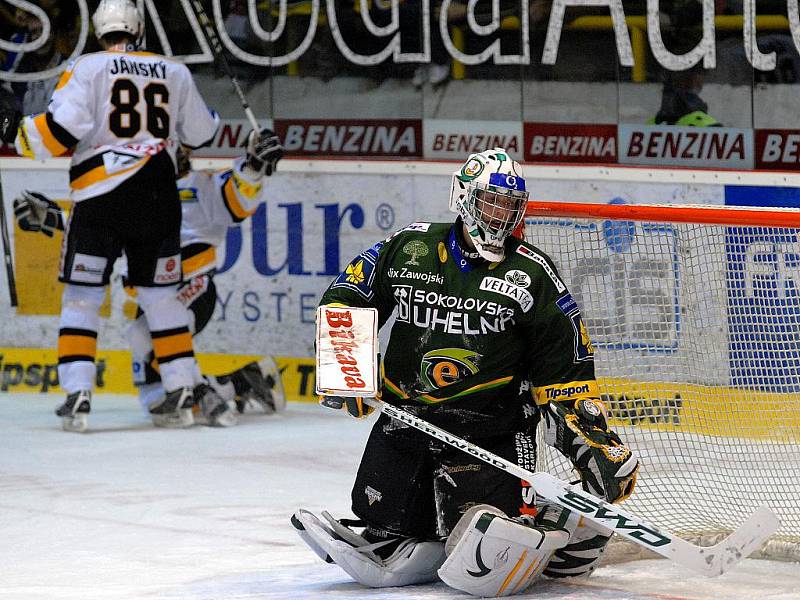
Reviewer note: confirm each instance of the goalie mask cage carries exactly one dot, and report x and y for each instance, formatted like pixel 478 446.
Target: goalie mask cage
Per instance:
pixel 694 317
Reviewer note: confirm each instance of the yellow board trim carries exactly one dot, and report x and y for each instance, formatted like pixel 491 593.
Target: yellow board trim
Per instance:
pixel 35 370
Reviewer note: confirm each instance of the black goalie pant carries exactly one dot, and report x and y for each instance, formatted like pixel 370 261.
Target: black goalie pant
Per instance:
pixel 411 484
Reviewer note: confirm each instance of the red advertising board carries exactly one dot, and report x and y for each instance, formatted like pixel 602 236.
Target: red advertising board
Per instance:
pixel 570 143
pixel 778 149
pixel 396 138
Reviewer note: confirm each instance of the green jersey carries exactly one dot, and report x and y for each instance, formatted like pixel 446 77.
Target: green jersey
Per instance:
pixel 473 344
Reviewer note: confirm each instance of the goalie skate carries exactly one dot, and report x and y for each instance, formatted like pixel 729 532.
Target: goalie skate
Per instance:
pixel 75 411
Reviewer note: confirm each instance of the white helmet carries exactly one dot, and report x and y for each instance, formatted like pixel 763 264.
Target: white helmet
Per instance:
pixel 118 15
pixel 489 194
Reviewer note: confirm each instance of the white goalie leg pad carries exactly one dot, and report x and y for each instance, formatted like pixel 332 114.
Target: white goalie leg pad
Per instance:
pixel 492 555
pixel 413 562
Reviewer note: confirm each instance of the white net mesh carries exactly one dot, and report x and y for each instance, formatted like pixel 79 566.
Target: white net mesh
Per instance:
pixel 696 330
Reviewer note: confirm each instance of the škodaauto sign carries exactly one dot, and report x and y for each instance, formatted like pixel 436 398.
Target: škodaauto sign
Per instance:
pixel 411 43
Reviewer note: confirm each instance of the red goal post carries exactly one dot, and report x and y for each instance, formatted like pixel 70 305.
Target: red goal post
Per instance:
pixel 708 214
pixel 693 316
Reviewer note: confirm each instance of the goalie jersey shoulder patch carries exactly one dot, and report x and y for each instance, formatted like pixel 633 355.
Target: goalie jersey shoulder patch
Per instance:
pixel 359 275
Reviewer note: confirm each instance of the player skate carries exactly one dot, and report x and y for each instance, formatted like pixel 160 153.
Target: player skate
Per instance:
pixel 75 411
pixel 213 407
pixel 174 410
pixel 258 383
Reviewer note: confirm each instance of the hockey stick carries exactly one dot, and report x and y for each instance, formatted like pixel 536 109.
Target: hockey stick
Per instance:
pixel 709 561
pixel 219 55
pixel 12 282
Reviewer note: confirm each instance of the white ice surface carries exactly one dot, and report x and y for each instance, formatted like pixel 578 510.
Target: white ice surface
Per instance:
pixel 129 511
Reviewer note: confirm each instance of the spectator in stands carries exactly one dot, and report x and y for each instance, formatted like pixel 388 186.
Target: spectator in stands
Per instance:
pixel 680 100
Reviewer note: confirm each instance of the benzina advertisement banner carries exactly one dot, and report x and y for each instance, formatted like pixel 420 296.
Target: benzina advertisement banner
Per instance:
pixel 570 143
pixel 400 138
pixel 454 140
pixel 778 149
pixel 669 145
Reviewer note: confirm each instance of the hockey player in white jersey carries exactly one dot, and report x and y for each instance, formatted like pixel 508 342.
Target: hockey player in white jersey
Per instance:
pixel 212 201
pixel 122 112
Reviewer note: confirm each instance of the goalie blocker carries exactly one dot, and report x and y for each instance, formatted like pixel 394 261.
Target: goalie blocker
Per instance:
pixel 347 357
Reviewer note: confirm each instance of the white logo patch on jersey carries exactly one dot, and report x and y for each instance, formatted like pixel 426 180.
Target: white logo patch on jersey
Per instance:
pixel 88 269
pixel 114 162
pixel 540 260
pixel 517 277
pixel 402 296
pixel 410 227
pixel 500 286
pixel 168 269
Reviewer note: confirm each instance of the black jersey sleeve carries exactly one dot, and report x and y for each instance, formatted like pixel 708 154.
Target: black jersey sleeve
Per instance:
pixel 560 354
pixel 362 282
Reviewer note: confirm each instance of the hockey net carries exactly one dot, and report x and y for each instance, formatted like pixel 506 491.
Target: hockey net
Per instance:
pixel 694 315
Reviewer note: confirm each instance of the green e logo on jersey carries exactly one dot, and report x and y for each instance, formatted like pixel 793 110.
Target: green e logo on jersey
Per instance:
pixel 445 366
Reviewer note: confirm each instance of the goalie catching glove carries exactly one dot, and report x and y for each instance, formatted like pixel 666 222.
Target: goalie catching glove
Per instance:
pixel 606 466
pixel 36 212
pixel 264 150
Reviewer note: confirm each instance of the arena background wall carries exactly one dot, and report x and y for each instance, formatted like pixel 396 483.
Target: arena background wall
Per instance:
pixel 275 266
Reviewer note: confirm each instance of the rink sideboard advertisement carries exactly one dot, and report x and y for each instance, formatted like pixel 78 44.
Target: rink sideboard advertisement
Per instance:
pixel 273 268
pixel 598 143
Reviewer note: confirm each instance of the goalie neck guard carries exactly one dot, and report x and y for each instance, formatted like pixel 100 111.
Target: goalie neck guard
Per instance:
pixel 490 195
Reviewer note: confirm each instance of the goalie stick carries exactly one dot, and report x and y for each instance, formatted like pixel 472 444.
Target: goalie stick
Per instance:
pixel 709 561
pixel 216 47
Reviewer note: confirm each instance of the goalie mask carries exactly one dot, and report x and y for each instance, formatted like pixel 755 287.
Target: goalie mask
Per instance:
pixel 489 194
pixel 118 16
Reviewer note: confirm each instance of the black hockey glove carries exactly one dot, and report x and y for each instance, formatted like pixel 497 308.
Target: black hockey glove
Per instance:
pixel 606 466
pixel 355 407
pixel 264 150
pixel 9 123
pixel 36 212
